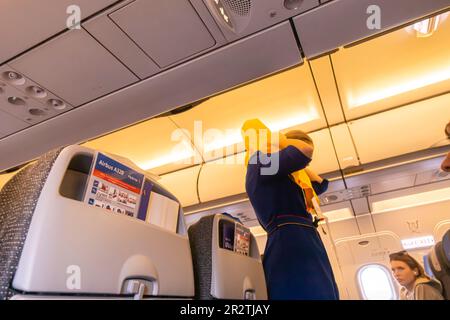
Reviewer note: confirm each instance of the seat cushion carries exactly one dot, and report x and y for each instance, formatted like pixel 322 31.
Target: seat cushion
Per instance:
pixel 18 199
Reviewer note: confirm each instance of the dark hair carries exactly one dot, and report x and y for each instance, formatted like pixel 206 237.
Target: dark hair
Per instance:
pixel 410 261
pixel 299 135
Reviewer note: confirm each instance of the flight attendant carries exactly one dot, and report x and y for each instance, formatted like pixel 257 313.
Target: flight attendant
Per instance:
pixel 284 197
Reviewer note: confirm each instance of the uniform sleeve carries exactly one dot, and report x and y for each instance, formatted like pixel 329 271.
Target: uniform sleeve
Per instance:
pixel 320 188
pixel 427 292
pixel 281 163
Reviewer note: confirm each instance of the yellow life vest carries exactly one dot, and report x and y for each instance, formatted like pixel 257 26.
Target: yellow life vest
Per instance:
pixel 300 177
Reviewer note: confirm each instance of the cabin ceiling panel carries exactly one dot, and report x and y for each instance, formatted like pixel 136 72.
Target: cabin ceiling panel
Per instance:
pixel 10 124
pixel 75 67
pixel 25 23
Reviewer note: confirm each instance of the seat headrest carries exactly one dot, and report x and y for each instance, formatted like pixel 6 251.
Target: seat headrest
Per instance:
pixel 446 248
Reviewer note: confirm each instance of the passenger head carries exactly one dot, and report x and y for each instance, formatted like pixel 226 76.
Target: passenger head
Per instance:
pixel 405 269
pixel 445 166
pixel 300 135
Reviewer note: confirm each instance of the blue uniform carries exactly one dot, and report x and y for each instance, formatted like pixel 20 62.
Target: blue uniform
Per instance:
pixel 295 262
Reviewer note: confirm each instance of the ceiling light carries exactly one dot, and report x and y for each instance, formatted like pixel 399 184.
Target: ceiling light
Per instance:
pixel 412 200
pixel 414 84
pixel 174 157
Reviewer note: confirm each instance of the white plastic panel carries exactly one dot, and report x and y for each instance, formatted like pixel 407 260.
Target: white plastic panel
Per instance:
pixel 413 221
pixel 81 69
pixel 357 251
pixel 183 185
pixel 344 146
pixel 222 178
pixel 411 128
pixel 39 20
pixel 167 31
pixel 404 68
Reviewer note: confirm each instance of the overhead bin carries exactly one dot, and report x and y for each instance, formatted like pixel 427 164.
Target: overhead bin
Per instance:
pixel 222 178
pixel 156 145
pixel 183 184
pixel 324 157
pixel 167 31
pixel 344 146
pixel 194 80
pixel 26 23
pixel 405 68
pixel 342 22
pixel 279 101
pixel 415 127
pixel 75 67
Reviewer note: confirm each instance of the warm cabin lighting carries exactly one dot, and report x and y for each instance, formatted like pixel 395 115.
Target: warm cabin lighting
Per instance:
pixel 184 155
pixel 413 84
pixel 412 200
pixel 215 139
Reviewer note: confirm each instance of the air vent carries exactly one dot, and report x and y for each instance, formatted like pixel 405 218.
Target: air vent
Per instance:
pixel 26 100
pixel 240 7
pixel 345 195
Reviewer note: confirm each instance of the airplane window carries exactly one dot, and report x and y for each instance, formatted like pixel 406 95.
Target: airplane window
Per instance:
pixel 375 283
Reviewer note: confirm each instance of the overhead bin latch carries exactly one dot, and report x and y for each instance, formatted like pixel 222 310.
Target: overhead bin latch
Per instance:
pixel 139 287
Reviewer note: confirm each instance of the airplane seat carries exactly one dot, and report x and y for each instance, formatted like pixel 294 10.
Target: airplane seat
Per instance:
pixel 439 259
pixel 55 245
pixel 225 268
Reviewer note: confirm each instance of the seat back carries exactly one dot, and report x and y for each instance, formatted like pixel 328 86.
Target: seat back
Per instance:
pixel 57 243
pixel 439 260
pixel 223 268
